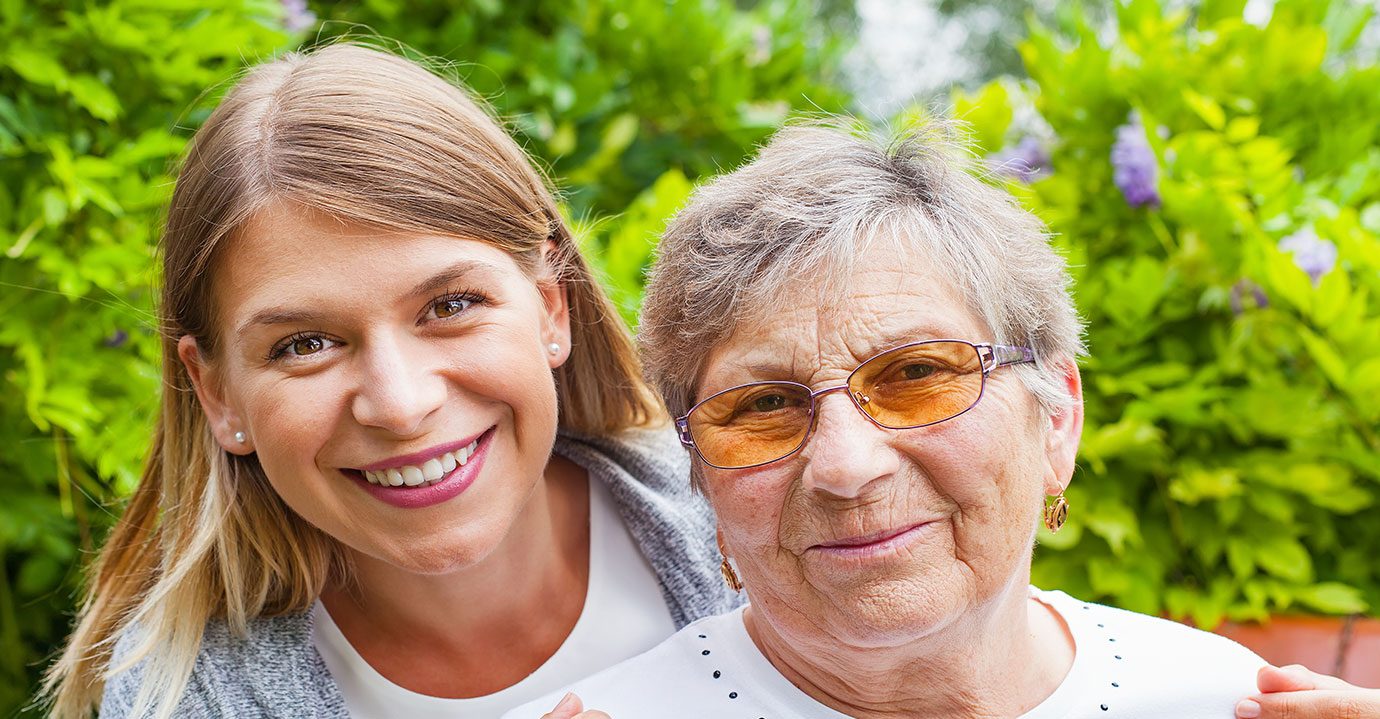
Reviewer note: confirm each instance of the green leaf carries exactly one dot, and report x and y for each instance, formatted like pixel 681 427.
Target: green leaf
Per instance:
pixel 1196 485
pixel 93 95
pixel 1206 108
pixel 1114 522
pixel 1328 359
pixel 1333 598
pixel 988 115
pixel 1284 557
pixel 36 66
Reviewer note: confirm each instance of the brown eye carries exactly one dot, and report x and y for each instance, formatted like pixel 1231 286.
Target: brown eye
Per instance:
pixel 307 346
pixel 769 403
pixel 918 371
pixel 450 307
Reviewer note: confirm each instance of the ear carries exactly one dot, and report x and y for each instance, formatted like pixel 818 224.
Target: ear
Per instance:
pixel 221 416
pixel 556 322
pixel 719 537
pixel 1066 428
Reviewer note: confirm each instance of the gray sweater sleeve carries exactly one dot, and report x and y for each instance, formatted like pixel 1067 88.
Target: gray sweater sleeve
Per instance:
pixel 274 671
pixel 121 690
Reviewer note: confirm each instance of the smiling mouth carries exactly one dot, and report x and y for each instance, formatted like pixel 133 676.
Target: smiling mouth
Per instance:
pixel 421 472
pixel 870 541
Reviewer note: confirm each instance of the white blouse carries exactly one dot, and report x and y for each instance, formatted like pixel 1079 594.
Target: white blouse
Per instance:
pixel 1126 666
pixel 624 614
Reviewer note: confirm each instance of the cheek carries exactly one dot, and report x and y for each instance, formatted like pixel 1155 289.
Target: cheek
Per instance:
pixel 750 506
pixel 994 480
pixel 291 421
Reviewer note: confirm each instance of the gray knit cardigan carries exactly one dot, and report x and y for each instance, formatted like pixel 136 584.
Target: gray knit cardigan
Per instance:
pixel 275 671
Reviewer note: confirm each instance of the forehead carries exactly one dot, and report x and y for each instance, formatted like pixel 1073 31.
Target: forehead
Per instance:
pixel 892 294
pixel 289 255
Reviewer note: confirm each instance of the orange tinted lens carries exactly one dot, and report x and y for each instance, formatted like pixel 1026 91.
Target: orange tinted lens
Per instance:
pixel 751 425
pixel 918 384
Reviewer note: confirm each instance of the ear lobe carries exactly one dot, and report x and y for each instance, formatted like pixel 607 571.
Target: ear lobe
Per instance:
pixel 556 323
pixel 221 417
pixel 1066 429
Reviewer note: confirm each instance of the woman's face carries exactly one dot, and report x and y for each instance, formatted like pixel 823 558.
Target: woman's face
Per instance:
pixel 873 537
pixel 353 360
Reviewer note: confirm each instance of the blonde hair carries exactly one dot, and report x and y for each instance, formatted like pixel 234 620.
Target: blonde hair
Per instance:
pixel 365 136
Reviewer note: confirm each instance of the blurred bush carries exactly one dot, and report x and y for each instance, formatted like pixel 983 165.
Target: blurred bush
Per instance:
pixel 625 102
pixel 1216 186
pixel 94 102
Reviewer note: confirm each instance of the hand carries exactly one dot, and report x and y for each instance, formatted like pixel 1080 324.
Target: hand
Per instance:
pixel 572 708
pixel 1294 692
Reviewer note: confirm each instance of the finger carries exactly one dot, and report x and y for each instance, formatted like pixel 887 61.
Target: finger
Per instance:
pixel 592 714
pixel 569 707
pixel 1316 704
pixel 1294 678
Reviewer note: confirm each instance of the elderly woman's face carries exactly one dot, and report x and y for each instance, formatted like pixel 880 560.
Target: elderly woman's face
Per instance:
pixel 874 536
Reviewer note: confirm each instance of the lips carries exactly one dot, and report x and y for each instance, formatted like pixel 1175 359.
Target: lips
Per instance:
pixel 451 483
pixel 874 543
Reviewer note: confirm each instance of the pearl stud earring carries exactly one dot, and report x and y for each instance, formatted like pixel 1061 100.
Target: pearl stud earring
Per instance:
pixel 239 437
pixel 554 349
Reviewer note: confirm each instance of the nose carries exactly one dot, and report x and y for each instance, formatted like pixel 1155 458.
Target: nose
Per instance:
pixel 398 388
pixel 847 451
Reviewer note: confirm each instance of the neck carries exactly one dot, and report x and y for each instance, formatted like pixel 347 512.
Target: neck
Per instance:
pixel 998 660
pixel 482 628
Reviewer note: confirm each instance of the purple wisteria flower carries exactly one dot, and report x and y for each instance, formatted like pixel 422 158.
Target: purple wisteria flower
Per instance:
pixel 1134 167
pixel 297 16
pixel 116 339
pixel 1027 161
pixel 1314 255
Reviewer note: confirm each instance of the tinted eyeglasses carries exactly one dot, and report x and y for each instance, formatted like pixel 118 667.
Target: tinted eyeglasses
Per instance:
pixel 914 385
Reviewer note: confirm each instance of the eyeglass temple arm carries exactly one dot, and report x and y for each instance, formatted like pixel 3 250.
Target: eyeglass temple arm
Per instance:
pixel 683 431
pixel 994 356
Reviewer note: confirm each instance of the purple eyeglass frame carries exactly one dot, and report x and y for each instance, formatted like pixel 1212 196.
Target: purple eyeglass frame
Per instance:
pixel 990 355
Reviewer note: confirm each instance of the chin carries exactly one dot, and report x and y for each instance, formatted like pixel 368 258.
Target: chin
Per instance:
pixel 894 613
pixel 439 554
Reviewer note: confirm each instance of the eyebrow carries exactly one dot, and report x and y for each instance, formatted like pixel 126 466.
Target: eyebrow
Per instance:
pixel 909 335
pixel 428 286
pixel 773 369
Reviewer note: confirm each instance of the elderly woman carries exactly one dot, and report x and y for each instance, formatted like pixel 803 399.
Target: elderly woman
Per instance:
pixel 871 356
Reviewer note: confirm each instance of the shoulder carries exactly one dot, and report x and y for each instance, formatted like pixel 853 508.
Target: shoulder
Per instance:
pixel 1157 664
pixel 651 456
pixel 659 682
pixel 271 669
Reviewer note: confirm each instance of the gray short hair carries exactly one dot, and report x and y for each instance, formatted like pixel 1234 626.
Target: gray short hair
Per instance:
pixel 814 197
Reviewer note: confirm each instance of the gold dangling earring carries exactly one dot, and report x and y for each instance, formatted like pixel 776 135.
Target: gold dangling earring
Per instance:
pixel 730 576
pixel 1056 512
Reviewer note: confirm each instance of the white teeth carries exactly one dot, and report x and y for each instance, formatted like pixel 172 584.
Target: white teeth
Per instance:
pixel 430 471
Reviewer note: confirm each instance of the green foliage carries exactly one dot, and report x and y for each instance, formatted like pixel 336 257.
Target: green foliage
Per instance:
pixel 90 99
pixel 1231 457
pixel 625 102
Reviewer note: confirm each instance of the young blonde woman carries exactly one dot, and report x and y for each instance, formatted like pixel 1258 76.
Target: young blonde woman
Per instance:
pixel 406 464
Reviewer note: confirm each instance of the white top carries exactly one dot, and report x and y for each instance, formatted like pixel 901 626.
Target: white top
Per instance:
pixel 624 615
pixel 1126 666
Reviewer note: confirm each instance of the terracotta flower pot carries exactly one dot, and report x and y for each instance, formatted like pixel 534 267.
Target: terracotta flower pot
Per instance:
pixel 1348 647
